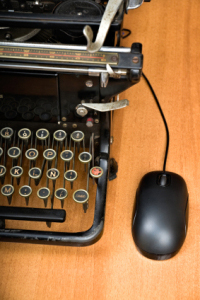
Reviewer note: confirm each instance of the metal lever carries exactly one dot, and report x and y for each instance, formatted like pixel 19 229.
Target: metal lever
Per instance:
pixel 108 16
pixel 132 4
pixel 103 107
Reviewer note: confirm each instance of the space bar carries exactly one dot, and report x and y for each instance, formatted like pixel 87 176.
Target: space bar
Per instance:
pixel 32 214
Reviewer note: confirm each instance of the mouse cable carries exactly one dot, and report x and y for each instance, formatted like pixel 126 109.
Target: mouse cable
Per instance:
pixel 163 117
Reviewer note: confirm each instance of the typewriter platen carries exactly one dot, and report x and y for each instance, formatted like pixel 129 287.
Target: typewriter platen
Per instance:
pixel 56 98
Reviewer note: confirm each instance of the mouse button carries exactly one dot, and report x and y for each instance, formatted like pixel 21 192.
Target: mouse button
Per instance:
pixel 163 180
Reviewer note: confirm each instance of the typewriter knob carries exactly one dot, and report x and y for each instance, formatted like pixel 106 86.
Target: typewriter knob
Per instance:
pixel 81 110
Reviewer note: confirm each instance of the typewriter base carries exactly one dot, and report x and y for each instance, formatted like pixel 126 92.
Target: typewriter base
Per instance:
pixel 84 238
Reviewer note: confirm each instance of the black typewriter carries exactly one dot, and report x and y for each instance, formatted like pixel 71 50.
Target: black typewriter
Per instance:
pixel 58 89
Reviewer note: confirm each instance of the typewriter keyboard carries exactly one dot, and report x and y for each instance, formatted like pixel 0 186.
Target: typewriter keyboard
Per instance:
pixel 49 171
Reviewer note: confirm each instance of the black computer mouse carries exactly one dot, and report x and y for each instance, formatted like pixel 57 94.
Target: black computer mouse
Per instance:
pixel 161 214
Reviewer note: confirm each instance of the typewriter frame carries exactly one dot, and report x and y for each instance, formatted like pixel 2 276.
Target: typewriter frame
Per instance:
pixel 134 68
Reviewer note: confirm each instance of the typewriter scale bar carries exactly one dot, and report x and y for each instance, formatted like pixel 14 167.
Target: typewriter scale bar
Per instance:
pixel 28 53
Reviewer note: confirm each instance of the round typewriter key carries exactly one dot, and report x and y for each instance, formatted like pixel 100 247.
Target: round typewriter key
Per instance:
pixel 22 109
pixel 44 193
pixel 29 115
pixel 61 193
pixel 42 134
pixel 13 104
pixel 39 110
pixel 7 190
pixel 45 116
pixel 14 152
pixel 24 134
pixel 59 135
pixel 85 157
pixel 25 191
pixel 34 173
pixel 53 174
pixel 5 108
pixel 66 155
pixel 16 171
pixel 31 105
pixel 70 175
pixel 31 154
pixel 77 136
pixel 96 172
pixel 81 196
pixel 49 154
pixel 10 114
pixel 6 132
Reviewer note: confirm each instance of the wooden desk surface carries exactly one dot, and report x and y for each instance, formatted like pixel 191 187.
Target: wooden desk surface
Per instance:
pixel 112 268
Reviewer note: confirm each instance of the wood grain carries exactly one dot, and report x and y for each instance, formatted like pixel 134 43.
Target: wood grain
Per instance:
pixel 112 268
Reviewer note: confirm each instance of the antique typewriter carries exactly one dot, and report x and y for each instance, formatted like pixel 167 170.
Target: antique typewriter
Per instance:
pixel 58 89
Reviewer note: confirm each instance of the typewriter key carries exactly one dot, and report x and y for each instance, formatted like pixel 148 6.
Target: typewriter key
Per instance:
pixel 77 136
pixel 5 108
pixel 8 190
pixel 85 157
pixel 53 174
pixel 16 172
pixel 61 194
pixel 66 155
pixel 42 134
pixel 49 154
pixel 22 109
pixel 2 173
pixel 45 116
pixel 32 154
pixel 59 135
pixel 1 151
pixel 29 115
pixel 24 134
pixel 35 173
pixel 14 153
pixel 44 193
pixel 81 196
pixel 39 110
pixel 70 175
pixel 7 132
pixel 10 114
pixel 96 172
pixel 25 191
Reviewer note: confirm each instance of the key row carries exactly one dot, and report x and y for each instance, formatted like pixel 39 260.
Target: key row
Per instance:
pixel 80 196
pixel 53 173
pixel 42 134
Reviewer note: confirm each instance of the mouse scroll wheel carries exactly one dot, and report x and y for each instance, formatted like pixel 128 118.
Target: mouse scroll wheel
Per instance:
pixel 163 180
